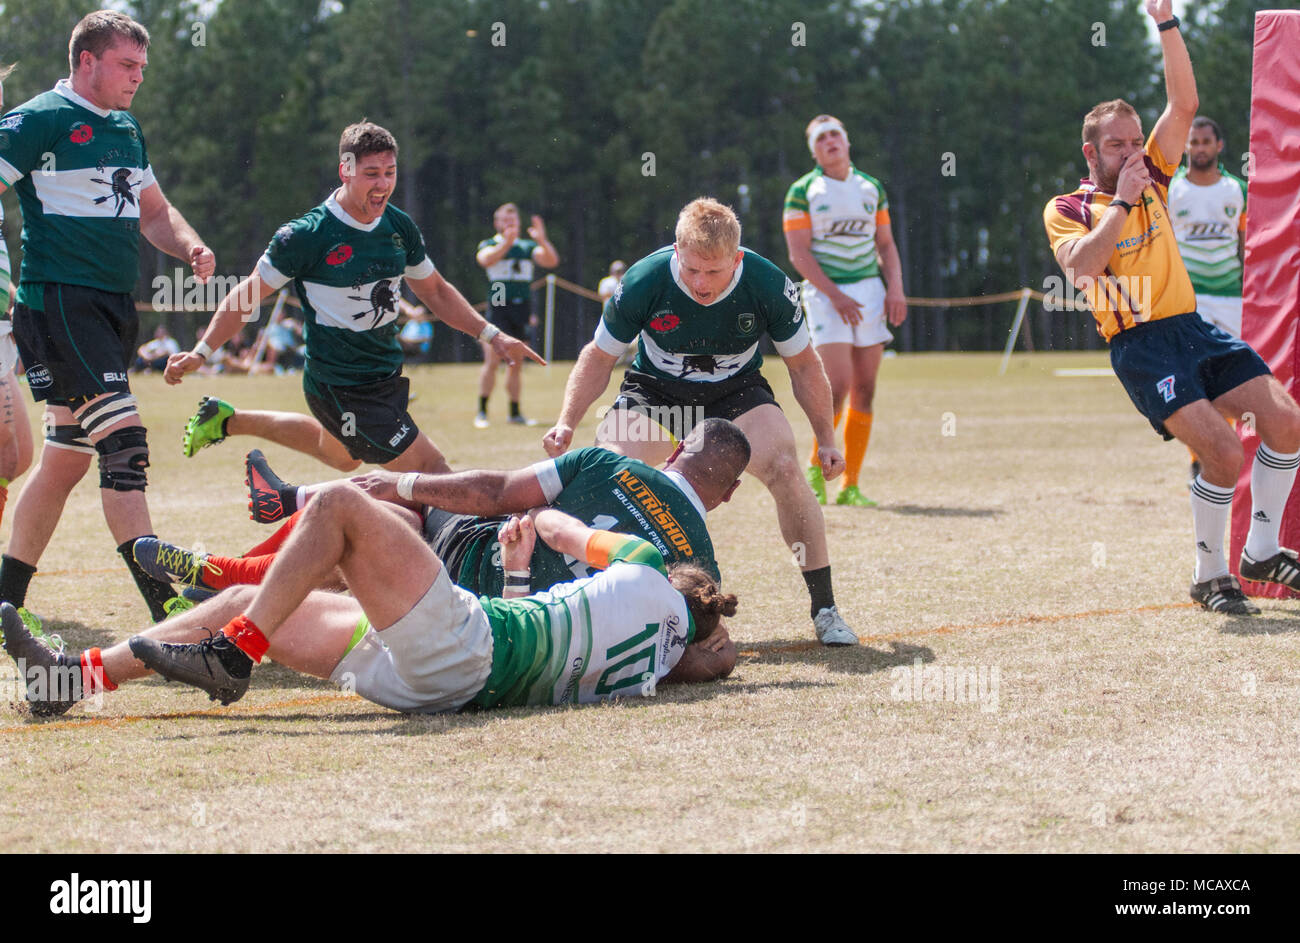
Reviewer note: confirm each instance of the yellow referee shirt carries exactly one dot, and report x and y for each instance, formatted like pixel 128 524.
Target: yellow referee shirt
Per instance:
pixel 1145 279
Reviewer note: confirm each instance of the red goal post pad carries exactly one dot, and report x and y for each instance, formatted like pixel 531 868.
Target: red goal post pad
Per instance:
pixel 1270 317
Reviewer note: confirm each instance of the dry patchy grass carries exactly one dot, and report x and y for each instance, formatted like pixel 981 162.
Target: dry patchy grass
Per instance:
pixel 1047 540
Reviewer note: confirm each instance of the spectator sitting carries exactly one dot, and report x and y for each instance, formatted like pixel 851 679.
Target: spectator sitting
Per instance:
pixel 153 353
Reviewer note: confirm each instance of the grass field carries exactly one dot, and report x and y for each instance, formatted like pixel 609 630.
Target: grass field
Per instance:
pixel 1033 535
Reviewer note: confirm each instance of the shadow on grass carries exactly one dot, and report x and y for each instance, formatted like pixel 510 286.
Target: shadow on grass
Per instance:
pixel 860 660
pixel 1267 623
pixel 921 510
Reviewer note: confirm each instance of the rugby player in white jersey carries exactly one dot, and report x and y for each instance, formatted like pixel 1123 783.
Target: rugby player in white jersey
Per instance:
pixel 411 640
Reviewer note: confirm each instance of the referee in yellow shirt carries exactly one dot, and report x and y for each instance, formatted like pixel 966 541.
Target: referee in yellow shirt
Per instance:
pixel 1114 239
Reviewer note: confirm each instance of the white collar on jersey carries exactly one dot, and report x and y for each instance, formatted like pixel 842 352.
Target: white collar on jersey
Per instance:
pixel 680 481
pixel 333 205
pixel 676 269
pixel 64 87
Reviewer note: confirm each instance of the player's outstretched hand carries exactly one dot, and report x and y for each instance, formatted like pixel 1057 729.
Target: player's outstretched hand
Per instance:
pixel 895 307
pixel 557 440
pixel 180 364
pixel 537 231
pixel 832 462
pixel 848 309
pixel 517 536
pixel 203 262
pixel 512 350
pixel 1160 10
pixel 379 484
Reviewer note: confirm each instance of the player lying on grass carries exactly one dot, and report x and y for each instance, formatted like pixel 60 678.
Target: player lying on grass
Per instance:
pixel 346 259
pixel 602 488
pixel 411 640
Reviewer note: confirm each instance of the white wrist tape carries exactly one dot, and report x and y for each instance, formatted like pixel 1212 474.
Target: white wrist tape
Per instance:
pixel 488 333
pixel 406 486
pixel 203 350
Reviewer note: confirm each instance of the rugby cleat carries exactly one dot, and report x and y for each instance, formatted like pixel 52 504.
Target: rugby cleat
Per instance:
pixel 207 426
pixel 481 421
pixel 1282 568
pixel 270 500
pixel 521 421
pixel 831 628
pixel 1223 594
pixel 52 679
pixel 177 605
pixel 172 564
pixel 850 496
pixel 816 481
pixel 214 665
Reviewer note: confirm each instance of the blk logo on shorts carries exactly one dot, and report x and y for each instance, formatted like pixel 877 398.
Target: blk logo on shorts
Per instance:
pixel 1166 388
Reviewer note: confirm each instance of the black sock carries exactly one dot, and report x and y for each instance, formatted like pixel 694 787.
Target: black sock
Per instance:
pixel 155 592
pixel 514 408
pixel 15 575
pixel 819 588
pixel 482 404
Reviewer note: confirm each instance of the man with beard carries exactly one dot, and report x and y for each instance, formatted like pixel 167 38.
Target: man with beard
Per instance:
pixel 1208 207
pixel 1114 239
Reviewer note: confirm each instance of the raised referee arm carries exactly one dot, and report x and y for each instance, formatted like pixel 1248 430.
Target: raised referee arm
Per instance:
pixel 1171 128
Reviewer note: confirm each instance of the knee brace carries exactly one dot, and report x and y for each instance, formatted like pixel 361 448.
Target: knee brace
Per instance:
pixel 123 457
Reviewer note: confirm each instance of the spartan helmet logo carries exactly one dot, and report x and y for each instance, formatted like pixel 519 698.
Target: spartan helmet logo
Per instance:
pixel 120 189
pixel 382 301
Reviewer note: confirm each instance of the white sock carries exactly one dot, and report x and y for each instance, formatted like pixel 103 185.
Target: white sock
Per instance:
pixel 300 496
pixel 1211 508
pixel 1271 478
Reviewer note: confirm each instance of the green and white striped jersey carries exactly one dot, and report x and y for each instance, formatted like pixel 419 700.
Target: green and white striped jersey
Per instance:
pixel 514 270
pixel 78 171
pixel 843 216
pixel 348 275
pixel 1207 221
pixel 681 339
pixel 615 634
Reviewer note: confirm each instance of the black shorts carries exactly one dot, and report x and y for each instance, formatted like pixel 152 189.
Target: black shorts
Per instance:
pixel 678 405
pixel 1167 364
pixel 79 346
pixel 370 420
pixel 512 317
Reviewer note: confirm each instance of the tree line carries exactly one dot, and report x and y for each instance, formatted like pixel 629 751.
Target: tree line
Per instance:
pixel 606 116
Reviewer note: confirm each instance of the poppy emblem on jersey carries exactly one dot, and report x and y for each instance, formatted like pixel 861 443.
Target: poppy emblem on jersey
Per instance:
pixel 665 321
pixel 338 255
pixel 81 133
pixel 1166 388
pixel 746 322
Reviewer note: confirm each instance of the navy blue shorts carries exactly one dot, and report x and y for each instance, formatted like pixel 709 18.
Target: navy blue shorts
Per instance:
pixel 1166 364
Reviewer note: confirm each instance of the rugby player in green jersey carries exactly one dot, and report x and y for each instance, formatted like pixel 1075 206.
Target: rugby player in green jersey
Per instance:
pixel 347 259
pixel 459 513
pixel 408 638
pixel 15 432
pixel 699 309
pixel 77 160
pixel 510 262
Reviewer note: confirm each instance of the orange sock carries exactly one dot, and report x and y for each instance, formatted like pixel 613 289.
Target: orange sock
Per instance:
pixel 238 571
pixel 857 433
pixel 272 543
pixel 93 677
pixel 835 424
pixel 247 637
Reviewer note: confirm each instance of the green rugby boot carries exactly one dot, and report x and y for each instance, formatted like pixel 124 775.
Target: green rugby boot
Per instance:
pixel 852 497
pixel 816 481
pixel 208 425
